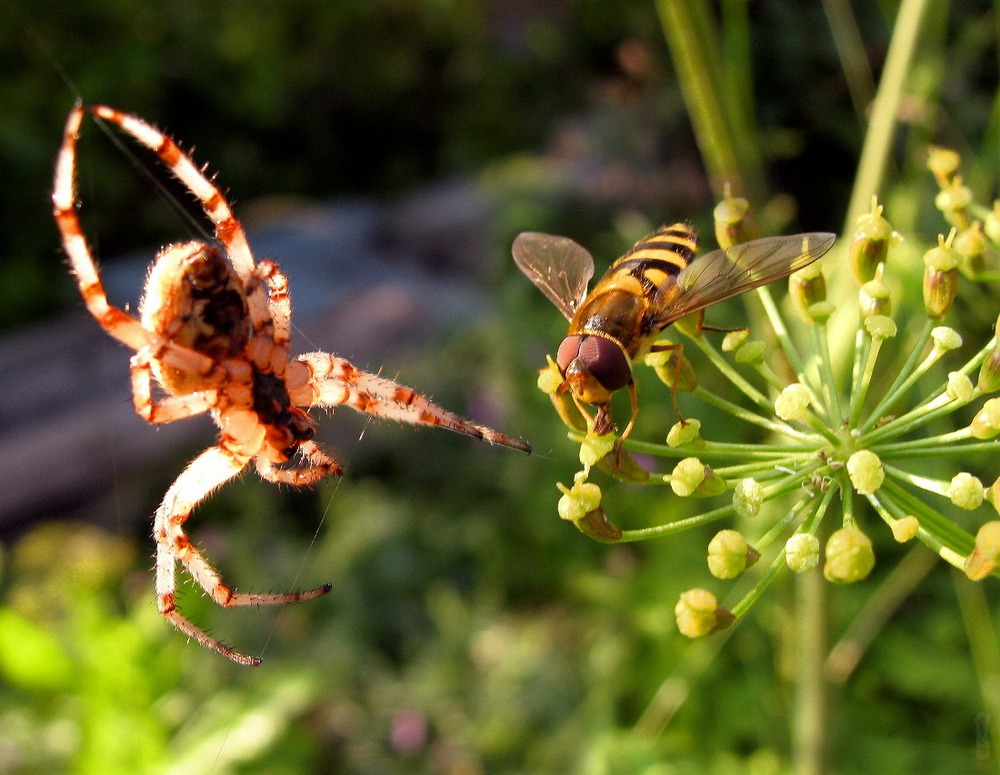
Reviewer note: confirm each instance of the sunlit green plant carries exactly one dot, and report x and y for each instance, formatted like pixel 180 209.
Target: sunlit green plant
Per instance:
pixel 847 435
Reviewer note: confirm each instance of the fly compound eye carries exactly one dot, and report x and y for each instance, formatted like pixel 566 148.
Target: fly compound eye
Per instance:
pixel 606 362
pixel 567 352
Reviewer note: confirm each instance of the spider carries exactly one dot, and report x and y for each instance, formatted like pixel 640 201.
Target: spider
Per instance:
pixel 213 334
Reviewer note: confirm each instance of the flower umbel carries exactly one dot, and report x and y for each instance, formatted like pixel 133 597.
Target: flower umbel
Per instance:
pixel 845 436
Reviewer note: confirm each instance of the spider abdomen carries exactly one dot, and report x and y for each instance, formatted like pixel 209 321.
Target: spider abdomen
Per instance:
pixel 194 298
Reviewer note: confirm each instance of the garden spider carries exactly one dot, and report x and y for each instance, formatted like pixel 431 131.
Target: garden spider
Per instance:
pixel 213 332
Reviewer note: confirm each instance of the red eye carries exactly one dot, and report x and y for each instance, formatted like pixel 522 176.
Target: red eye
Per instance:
pixel 606 362
pixel 567 351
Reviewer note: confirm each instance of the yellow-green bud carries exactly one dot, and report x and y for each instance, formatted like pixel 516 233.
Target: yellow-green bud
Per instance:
pixel 874 299
pixel 946 338
pixel 849 556
pixel 751 353
pixel 866 472
pixel 820 312
pixel 734 339
pixel 870 244
pixel 807 287
pixel 971 245
pixel 685 433
pixel 966 491
pixel 729 554
pixel 944 163
pixel 986 424
pixel 793 402
pixel 993 494
pixel 905 529
pixel 692 477
pixel 673 369
pixel 983 560
pixel 748 497
pixel 992 223
pixel 802 552
pixel 940 279
pixel 595 447
pixel 880 327
pixel 581 498
pixel 953 201
pixel 698 613
pixel 732 224
pixel 989 372
pixel 595 524
pixel 549 377
pixel 959 387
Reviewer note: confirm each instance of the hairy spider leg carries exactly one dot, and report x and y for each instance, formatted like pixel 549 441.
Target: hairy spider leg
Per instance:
pixel 321 379
pixel 211 469
pixel 115 321
pixel 228 230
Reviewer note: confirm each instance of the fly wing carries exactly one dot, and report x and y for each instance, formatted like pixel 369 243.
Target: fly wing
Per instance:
pixel 722 274
pixel 557 265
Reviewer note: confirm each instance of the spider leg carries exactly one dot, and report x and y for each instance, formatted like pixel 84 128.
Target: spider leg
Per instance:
pixel 228 230
pixel 321 379
pixel 209 470
pixel 277 334
pixel 319 465
pixel 115 321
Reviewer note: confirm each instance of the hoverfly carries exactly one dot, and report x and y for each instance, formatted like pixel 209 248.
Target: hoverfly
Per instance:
pixel 656 283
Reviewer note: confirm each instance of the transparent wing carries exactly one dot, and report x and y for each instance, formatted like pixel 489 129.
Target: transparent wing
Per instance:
pixel 723 274
pixel 558 266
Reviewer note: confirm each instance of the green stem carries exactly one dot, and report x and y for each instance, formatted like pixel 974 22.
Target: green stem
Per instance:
pixel 695 52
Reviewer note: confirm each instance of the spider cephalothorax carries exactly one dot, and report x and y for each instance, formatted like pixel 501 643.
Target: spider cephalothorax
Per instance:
pixel 213 333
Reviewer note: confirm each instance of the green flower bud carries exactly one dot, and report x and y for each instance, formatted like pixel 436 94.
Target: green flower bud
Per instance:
pixel 807 287
pixel 550 379
pixel 989 372
pixel 732 224
pixel 673 369
pixel 575 502
pixel 880 327
pixel 685 433
pixel 986 424
pixel 940 279
pixel 793 402
pixel 992 223
pixel 820 312
pixel 966 491
pixel 993 494
pixel 729 554
pixel 751 353
pixel 734 339
pixel 870 244
pixel 866 472
pixel 802 552
pixel 983 560
pixel 692 477
pixel 953 201
pixel 874 299
pixel 595 447
pixel 905 529
pixel 944 163
pixel 687 476
pixel 946 338
pixel 698 613
pixel 971 245
pixel 748 497
pixel 959 387
pixel 849 556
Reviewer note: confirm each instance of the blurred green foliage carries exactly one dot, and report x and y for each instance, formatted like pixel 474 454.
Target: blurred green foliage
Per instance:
pixel 468 629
